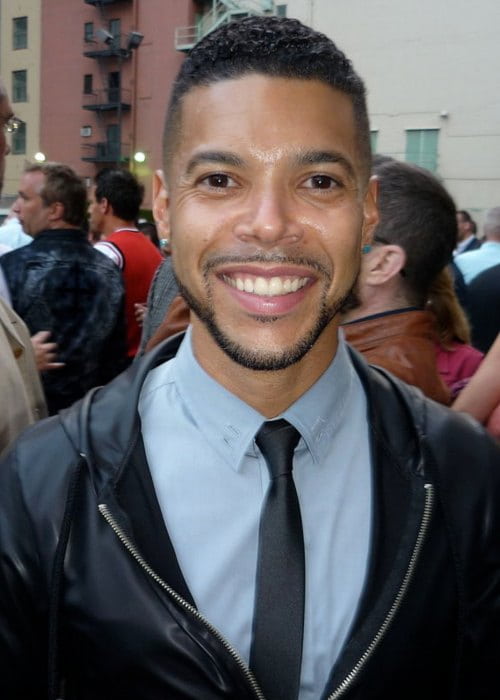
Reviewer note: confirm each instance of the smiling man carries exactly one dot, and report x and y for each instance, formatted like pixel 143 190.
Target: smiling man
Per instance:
pixel 163 543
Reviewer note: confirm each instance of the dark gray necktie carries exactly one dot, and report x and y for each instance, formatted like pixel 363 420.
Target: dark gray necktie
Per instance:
pixel 276 652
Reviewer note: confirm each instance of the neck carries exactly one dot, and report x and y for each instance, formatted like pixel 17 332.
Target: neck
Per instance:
pixel 268 392
pixel 61 224
pixel 376 305
pixel 114 223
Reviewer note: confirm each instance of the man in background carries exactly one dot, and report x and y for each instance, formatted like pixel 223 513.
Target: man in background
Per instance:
pixel 115 202
pixel 474 262
pixel 412 243
pixel 466 233
pixel 60 283
pixel 21 391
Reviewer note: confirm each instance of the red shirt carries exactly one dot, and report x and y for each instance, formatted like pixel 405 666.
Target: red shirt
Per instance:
pixel 140 260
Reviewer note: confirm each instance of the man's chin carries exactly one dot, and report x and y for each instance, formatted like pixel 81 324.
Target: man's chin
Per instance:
pixel 262 358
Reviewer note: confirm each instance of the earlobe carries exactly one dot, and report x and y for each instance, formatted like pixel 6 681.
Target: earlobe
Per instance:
pixel 161 204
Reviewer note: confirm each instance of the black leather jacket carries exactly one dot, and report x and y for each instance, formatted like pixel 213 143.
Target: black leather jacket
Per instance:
pixel 61 284
pixel 89 578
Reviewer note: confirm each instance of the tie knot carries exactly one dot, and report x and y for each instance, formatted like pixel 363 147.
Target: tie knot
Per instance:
pixel 277 441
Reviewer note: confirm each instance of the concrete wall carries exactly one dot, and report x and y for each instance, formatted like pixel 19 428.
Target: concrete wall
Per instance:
pixel 420 58
pixel 21 59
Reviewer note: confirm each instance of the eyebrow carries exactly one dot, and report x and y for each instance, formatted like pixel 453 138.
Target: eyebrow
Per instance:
pixel 220 157
pixel 313 157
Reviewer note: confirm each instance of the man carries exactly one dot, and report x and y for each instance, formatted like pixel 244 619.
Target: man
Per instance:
pixel 466 233
pixel 412 244
pixel 23 401
pixel 474 262
pixel 61 284
pixel 483 308
pixel 115 202
pixel 11 232
pixel 153 572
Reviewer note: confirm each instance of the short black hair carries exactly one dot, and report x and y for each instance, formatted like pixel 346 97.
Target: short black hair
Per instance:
pixel 122 190
pixel 62 185
pixel 417 213
pixel 272 46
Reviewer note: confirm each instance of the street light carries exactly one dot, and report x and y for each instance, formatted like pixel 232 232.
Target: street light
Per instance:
pixel 39 157
pixel 139 156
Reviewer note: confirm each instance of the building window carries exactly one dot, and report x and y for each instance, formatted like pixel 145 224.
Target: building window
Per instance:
pixel 19 86
pixel 421 148
pixel 281 10
pixel 115 30
pixel 88 32
pixel 87 84
pixel 373 140
pixel 18 141
pixel 20 33
pixel 114 82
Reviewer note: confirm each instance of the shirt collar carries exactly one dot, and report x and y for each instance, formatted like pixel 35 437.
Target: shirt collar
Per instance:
pixel 230 425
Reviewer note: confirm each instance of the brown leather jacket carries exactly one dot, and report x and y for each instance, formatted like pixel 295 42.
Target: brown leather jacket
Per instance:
pixel 403 342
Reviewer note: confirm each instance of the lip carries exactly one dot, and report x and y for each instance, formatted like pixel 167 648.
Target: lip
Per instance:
pixel 267 305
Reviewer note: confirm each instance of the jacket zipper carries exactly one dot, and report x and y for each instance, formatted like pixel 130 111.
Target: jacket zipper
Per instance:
pixel 367 654
pixel 129 545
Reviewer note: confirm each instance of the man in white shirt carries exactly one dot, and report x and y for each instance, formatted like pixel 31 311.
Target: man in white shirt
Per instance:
pixel 474 262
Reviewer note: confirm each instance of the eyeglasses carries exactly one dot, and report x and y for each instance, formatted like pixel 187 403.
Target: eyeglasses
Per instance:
pixel 12 124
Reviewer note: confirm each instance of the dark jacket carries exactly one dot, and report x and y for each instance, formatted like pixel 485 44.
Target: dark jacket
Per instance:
pixel 60 283
pixel 428 624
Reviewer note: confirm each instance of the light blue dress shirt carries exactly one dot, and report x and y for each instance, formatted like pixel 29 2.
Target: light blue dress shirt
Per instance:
pixel 211 480
pixel 474 262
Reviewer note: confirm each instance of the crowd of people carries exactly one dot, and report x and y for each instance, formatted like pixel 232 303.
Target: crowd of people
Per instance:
pixel 297 305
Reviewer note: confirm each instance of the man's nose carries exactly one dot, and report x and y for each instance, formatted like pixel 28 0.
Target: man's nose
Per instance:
pixel 269 219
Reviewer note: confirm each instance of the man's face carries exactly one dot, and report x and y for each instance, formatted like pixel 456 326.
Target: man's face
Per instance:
pixel 95 213
pixel 267 211
pixel 33 214
pixel 463 227
pixel 5 114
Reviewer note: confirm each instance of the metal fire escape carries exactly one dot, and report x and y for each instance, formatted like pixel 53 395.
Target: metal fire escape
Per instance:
pixel 219 12
pixel 110 48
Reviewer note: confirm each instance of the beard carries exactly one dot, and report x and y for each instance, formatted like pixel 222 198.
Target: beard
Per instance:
pixel 265 360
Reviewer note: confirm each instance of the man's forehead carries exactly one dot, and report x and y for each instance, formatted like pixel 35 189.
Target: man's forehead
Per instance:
pixel 32 180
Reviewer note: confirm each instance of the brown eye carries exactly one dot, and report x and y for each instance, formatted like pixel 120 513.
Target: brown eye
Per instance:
pixel 322 182
pixel 218 180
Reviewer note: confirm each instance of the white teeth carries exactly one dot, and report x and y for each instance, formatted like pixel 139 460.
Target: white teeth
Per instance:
pixel 261 287
pixel 267 287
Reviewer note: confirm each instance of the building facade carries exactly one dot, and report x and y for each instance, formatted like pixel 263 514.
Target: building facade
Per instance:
pixel 96 76
pixel 20 69
pixel 431 68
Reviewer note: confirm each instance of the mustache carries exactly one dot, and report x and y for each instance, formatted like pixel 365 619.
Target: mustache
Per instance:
pixel 215 261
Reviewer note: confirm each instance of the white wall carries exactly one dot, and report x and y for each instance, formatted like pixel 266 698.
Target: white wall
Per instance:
pixel 419 58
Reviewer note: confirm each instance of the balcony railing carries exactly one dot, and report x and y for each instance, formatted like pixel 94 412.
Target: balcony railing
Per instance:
pixel 221 11
pixel 95 49
pixel 103 3
pixel 106 152
pixel 107 100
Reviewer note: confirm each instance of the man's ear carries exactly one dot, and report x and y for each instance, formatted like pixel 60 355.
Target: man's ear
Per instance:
pixel 370 211
pixel 56 211
pixel 161 203
pixel 384 263
pixel 104 206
